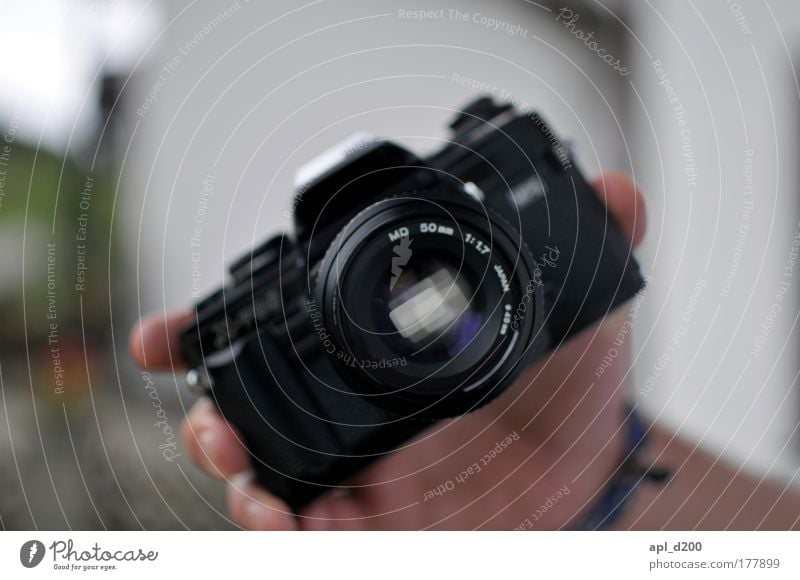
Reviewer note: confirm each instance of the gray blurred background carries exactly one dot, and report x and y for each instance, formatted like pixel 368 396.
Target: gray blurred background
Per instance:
pixel 152 142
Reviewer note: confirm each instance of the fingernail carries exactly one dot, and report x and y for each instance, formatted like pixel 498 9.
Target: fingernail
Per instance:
pixel 252 511
pixel 208 440
pixel 241 480
pixel 254 514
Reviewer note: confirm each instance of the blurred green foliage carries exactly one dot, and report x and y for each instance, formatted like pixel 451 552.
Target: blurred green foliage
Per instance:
pixel 55 226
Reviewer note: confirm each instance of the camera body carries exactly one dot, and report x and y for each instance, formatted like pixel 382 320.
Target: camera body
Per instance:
pixel 410 290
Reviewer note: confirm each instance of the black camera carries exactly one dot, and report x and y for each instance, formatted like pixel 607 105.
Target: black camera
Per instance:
pixel 411 290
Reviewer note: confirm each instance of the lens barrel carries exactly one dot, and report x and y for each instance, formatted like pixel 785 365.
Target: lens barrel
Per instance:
pixel 431 303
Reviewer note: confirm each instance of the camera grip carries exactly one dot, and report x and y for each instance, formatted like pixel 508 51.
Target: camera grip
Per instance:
pixel 301 444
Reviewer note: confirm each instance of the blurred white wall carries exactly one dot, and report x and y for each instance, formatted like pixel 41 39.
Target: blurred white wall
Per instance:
pixel 731 69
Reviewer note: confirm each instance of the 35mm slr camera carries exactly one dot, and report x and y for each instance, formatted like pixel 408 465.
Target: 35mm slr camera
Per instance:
pixel 410 290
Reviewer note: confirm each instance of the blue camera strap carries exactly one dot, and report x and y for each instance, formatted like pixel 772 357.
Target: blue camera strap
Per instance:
pixel 626 479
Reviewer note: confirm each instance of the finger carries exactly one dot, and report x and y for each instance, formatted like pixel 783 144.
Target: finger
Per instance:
pixel 340 509
pixel 625 202
pixel 254 509
pixel 212 442
pixel 153 342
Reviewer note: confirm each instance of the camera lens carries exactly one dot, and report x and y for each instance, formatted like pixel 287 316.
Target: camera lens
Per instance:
pixel 419 295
